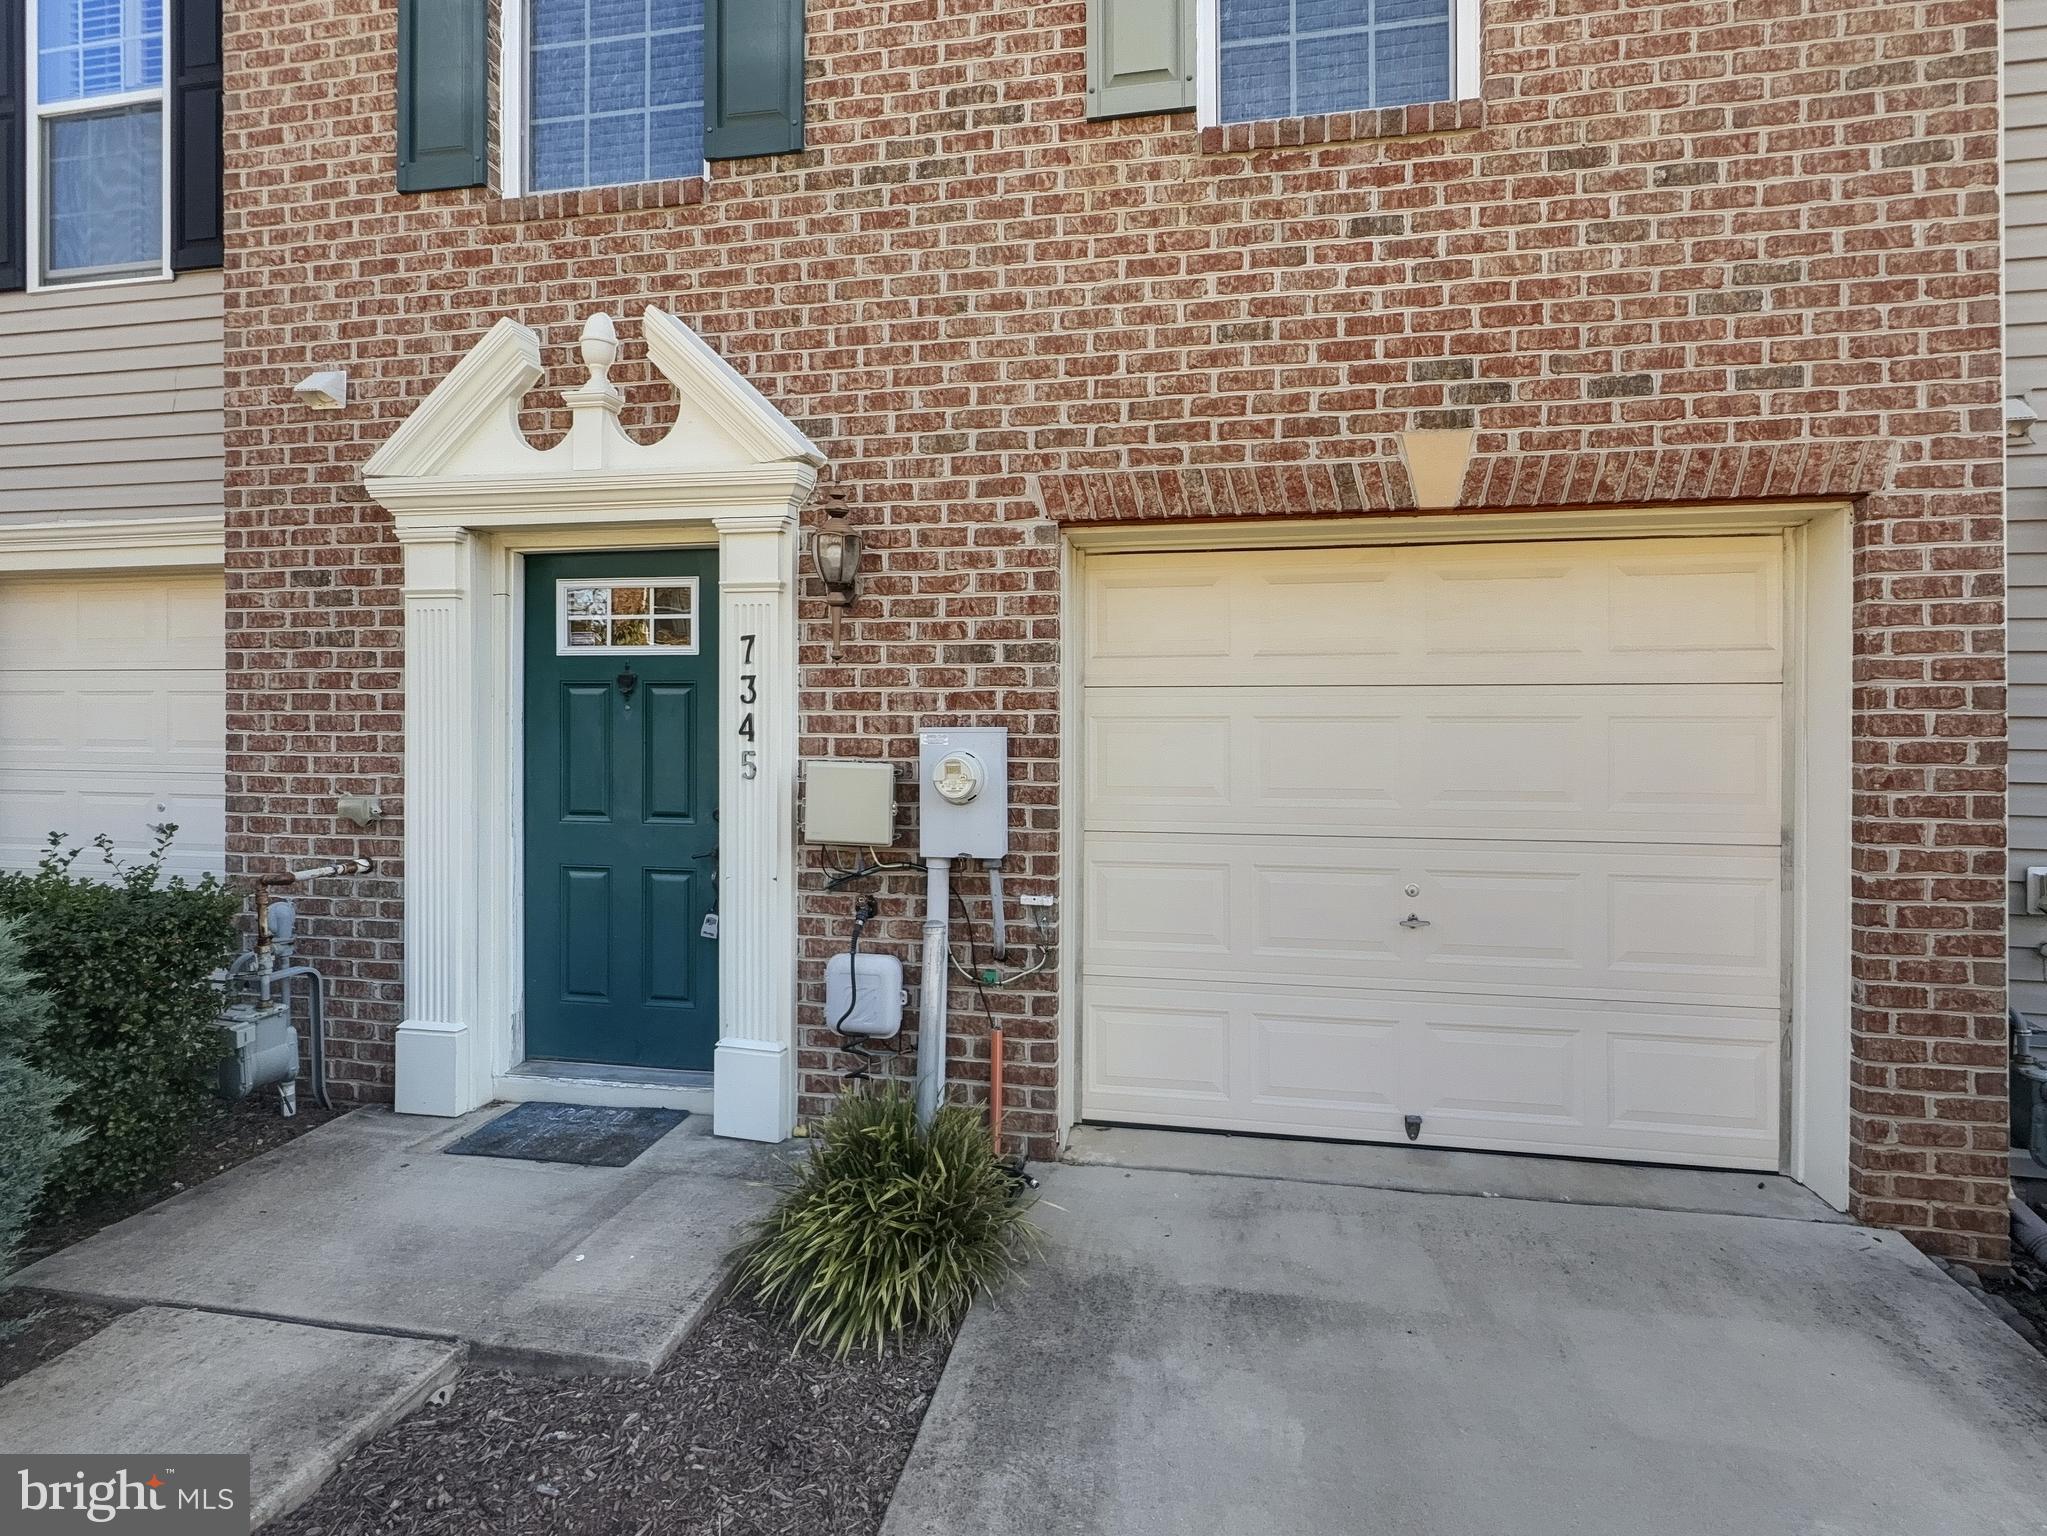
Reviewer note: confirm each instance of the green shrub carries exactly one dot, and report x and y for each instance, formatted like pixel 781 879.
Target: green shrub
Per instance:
pixel 30 1139
pixel 124 961
pixel 888 1228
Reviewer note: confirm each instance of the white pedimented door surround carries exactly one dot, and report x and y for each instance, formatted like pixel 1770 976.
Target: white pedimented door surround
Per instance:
pixel 469 494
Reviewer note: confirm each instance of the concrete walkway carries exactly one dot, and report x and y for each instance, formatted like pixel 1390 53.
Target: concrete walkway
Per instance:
pixel 296 1401
pixel 1228 1350
pixel 366 1224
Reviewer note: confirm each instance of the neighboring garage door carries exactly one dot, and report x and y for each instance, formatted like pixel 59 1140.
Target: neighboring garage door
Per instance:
pixel 111 715
pixel 1488 834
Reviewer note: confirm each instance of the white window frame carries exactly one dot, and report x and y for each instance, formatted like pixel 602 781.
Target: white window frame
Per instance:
pixel 514 89
pixel 40 113
pixel 1466 36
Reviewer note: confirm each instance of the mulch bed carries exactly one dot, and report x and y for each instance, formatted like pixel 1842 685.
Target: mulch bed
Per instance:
pixel 2025 1288
pixel 735 1436
pixel 237 1132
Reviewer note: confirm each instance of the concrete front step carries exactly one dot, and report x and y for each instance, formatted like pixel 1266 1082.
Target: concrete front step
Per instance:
pixel 164 1381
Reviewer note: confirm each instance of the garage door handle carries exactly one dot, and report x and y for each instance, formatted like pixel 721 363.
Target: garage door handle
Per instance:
pixel 1412 920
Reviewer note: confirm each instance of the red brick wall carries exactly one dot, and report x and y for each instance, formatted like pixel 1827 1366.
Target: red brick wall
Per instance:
pixel 1712 249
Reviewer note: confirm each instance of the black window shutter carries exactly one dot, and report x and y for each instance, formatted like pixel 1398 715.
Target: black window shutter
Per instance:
pixel 195 134
pixel 443 94
pixel 13 144
pixel 753 77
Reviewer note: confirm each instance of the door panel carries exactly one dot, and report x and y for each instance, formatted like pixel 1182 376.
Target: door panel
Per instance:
pixel 586 752
pixel 668 765
pixel 671 898
pixel 621 814
pixel 586 935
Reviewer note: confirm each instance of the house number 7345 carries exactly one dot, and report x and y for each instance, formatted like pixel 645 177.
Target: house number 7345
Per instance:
pixel 749 695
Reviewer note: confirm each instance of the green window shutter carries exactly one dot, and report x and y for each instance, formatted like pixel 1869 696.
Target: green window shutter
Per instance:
pixel 442 94
pixel 1140 56
pixel 753 77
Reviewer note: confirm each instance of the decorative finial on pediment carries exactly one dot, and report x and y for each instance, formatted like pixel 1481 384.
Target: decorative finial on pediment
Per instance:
pixel 594 438
pixel 600 349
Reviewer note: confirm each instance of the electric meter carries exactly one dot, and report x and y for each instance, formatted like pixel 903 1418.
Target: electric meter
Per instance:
pixel 958 777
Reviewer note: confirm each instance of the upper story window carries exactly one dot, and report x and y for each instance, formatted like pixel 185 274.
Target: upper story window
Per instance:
pixel 98 178
pixel 1294 58
pixel 616 92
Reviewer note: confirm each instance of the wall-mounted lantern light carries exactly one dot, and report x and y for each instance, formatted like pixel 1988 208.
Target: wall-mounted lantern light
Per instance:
pixel 835 552
pixel 2019 417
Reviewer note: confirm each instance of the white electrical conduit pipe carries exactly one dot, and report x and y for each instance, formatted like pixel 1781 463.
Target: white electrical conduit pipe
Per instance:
pixel 931 995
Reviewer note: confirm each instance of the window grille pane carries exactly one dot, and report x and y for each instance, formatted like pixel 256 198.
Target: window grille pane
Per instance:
pixel 617 91
pixel 625 616
pixel 1290 58
pixel 1413 64
pixel 103 194
pixel 88 48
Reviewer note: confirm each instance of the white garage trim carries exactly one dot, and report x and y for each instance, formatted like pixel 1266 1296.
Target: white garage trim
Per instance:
pixel 114 544
pixel 1815 1079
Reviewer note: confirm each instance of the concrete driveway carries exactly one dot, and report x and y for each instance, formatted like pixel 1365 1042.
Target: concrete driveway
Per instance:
pixel 1304 1354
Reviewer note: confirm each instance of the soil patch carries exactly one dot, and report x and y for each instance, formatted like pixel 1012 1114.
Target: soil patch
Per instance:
pixel 2026 1289
pixel 235 1133
pixel 736 1436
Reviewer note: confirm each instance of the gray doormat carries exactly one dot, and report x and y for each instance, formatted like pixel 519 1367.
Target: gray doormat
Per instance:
pixel 593 1135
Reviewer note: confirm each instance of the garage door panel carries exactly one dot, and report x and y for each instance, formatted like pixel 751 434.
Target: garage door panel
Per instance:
pixel 1699 599
pixel 1674 924
pixel 1664 610
pixel 1586 1079
pixel 1160 1046
pixel 1693 1085
pixel 1346 1058
pixel 1173 910
pixel 1496 1065
pixel 1607 763
pixel 112 715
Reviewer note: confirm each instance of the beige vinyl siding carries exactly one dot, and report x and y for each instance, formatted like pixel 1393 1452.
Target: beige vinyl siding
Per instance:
pixel 110 402
pixel 2026 353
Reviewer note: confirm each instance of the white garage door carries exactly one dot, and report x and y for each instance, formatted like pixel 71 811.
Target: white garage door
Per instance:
pixel 1487 834
pixel 111 714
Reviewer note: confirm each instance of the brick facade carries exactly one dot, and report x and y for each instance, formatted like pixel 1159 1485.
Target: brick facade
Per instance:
pixel 1678 252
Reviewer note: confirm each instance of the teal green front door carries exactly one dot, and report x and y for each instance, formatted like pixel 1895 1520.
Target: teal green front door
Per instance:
pixel 621 808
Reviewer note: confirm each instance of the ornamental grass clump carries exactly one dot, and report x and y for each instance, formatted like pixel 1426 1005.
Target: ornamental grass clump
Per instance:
pixel 889 1228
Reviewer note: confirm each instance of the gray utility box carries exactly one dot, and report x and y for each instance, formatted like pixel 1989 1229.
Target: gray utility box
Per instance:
pixel 963 792
pixel 262 1048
